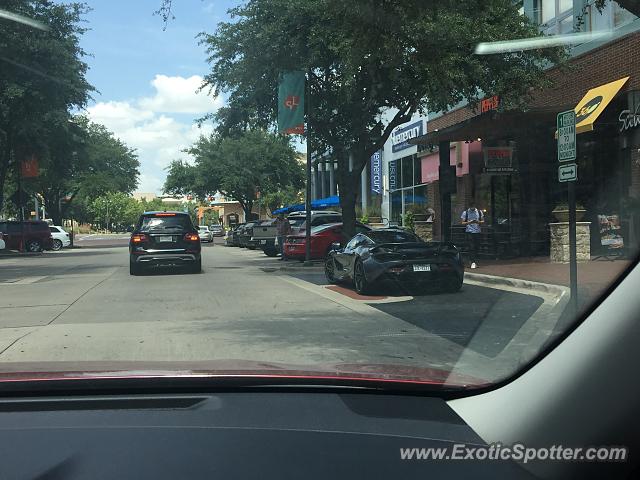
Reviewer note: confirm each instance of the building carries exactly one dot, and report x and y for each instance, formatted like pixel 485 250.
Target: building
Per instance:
pixel 506 161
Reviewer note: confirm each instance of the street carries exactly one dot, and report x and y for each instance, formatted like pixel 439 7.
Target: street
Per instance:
pixel 82 305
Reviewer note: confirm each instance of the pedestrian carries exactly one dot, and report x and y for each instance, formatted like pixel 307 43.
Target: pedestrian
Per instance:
pixel 473 217
pixel 283 228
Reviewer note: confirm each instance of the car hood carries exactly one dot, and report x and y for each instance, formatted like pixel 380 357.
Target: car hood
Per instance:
pixel 340 373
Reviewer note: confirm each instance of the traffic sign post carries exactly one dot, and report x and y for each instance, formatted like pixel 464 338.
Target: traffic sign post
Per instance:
pixel 566 124
pixel 568 172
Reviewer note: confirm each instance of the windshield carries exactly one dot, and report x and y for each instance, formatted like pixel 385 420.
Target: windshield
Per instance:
pixel 176 222
pixel 393 236
pixel 502 135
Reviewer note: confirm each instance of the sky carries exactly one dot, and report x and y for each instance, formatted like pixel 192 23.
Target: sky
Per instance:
pixel 147 79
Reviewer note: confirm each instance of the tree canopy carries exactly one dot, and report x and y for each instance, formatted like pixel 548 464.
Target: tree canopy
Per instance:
pixel 42 76
pixel 239 167
pixel 370 64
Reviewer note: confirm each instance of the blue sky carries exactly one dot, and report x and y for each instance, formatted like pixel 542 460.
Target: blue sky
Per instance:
pixel 147 78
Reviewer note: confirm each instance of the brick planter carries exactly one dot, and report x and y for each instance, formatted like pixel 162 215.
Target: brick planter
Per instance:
pixel 560 242
pixel 424 230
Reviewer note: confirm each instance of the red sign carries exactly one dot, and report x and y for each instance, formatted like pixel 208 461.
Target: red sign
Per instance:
pixel 491 103
pixel 29 167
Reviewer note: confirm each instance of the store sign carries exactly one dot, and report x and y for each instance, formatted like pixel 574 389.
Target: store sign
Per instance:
pixel 498 160
pixel 488 104
pixel 629 120
pixel 400 138
pixel 376 173
pixel 393 175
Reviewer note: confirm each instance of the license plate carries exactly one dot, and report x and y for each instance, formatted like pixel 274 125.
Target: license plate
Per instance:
pixel 422 268
pixel 164 239
pixel 263 242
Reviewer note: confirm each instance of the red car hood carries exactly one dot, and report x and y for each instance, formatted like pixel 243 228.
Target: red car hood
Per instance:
pixel 236 369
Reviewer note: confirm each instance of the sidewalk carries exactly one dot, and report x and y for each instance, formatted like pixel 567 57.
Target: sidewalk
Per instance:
pixel 594 277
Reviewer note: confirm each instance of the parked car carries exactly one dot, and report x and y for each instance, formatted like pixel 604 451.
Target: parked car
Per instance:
pixel 298 220
pixel 323 237
pixel 2 244
pixel 164 238
pixel 234 239
pixel 265 234
pixel 244 236
pixel 60 237
pixel 32 235
pixel 205 234
pixel 216 230
pixel 397 255
pixel 229 236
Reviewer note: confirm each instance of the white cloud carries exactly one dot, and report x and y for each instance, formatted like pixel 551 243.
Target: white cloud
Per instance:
pixel 179 95
pixel 156 126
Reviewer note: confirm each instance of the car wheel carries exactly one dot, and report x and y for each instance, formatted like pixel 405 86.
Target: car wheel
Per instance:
pixel 330 270
pixel 453 284
pixel 134 269
pixel 196 267
pixel 270 252
pixel 359 278
pixel 33 246
pixel 57 244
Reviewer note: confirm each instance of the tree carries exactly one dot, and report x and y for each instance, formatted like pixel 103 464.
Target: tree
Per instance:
pixel 80 159
pixel 370 64
pixel 42 75
pixel 239 167
pixel 115 208
pixel 283 198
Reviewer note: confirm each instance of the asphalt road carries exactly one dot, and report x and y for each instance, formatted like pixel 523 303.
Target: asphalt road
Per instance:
pixel 82 305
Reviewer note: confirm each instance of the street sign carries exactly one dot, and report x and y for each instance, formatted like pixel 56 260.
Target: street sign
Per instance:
pixel 566 124
pixel 568 172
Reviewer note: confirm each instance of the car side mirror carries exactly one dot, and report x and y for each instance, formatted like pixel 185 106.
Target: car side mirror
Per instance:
pixel 336 247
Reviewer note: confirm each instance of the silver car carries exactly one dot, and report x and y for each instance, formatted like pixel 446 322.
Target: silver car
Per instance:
pixel 205 234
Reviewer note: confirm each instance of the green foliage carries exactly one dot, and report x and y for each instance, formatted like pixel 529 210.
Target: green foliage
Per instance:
pixel 282 198
pixel 364 219
pixel 42 77
pixel 238 167
pixel 115 208
pixel 408 221
pixel 371 65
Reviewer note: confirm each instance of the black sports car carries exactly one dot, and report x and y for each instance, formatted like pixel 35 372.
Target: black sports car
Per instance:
pixel 398 255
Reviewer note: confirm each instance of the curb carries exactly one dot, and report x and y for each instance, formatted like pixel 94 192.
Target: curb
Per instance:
pixel 11 254
pixel 547 288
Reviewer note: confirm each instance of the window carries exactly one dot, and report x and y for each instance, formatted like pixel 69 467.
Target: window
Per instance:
pixel 407 171
pixel 175 222
pixel 54 230
pixel 353 242
pixel 555 16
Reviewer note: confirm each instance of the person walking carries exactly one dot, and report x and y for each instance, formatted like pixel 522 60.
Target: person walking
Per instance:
pixel 283 228
pixel 473 218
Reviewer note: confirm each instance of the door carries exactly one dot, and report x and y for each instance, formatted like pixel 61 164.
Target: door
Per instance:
pixel 347 256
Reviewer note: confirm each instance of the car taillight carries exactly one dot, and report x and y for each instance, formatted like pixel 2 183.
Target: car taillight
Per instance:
pixel 192 237
pixel 138 238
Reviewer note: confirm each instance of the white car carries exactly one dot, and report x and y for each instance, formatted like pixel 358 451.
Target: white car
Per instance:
pixel 2 244
pixel 60 237
pixel 205 234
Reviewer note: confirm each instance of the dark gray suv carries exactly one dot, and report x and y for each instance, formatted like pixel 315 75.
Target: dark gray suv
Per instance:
pixel 164 238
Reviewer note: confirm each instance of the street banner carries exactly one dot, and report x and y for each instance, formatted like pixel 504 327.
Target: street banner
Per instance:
pixel 291 103
pixel 376 173
pixel 29 167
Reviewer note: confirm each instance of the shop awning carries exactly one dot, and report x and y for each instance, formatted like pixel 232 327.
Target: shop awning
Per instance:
pixel 333 201
pixel 594 103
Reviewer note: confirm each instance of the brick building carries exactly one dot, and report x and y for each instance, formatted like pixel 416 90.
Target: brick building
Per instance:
pixel 520 195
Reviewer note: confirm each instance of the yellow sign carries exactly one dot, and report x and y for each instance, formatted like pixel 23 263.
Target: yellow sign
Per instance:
pixel 594 103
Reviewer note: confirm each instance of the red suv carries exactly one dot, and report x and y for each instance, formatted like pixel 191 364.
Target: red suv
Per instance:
pixel 31 235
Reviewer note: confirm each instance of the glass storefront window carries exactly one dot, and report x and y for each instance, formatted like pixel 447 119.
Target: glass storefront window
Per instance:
pixel 547 10
pixel 566 25
pixel 407 171
pixel 396 206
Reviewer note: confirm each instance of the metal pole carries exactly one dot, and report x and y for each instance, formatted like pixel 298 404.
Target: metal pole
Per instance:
pixel 445 193
pixel 37 207
pixel 307 206
pixel 573 261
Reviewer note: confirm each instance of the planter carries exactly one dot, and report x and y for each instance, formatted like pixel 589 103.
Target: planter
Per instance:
pixel 375 219
pixel 420 217
pixel 562 215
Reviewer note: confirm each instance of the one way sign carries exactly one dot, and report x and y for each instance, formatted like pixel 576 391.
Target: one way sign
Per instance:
pixel 568 172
